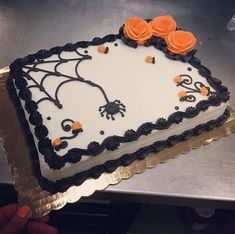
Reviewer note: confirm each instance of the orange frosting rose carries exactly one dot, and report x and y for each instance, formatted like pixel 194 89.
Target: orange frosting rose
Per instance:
pixel 163 25
pixel 180 42
pixel 137 29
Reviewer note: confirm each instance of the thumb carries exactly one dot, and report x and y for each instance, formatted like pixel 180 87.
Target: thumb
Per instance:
pixel 17 224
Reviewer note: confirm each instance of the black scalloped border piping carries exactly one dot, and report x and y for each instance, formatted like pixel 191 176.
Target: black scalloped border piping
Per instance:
pixel 126 159
pixel 111 143
pixel 110 166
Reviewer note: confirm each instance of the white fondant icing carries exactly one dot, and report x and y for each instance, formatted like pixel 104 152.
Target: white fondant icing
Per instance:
pixel 147 91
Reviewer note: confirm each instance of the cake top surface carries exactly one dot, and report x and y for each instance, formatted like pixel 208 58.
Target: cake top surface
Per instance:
pixel 83 99
pixel 89 96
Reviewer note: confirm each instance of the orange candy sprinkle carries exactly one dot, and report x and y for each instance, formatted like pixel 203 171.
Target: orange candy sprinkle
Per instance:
pixel 149 59
pixel 102 49
pixel 182 93
pixel 204 91
pixel 177 79
pixel 76 125
pixel 57 142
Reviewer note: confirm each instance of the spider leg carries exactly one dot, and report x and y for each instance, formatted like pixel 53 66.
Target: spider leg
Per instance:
pixel 102 113
pixel 122 105
pixel 121 108
pixel 117 101
pixel 122 114
pixel 101 107
pixel 107 115
pixel 112 117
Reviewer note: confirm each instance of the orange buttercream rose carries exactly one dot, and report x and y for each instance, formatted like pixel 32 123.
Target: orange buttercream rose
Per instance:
pixel 137 29
pixel 163 25
pixel 180 42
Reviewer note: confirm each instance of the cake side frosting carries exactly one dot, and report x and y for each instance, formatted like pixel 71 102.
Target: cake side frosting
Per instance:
pixel 106 107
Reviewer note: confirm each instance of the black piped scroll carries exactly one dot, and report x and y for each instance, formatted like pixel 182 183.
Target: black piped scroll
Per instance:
pixel 68 125
pixel 197 87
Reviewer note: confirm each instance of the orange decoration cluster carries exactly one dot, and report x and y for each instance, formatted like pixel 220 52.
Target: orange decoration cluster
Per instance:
pixel 163 25
pixel 149 59
pixel 178 41
pixel 76 125
pixel 137 29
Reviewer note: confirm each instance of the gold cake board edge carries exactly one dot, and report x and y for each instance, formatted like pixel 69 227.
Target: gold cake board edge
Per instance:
pixel 41 201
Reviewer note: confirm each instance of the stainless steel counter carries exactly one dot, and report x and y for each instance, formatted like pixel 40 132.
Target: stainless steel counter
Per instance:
pixel 204 175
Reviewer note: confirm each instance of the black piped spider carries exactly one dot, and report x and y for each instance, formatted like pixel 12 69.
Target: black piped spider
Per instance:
pixel 112 108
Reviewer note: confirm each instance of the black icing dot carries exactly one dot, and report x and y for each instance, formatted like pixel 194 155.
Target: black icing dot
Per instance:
pixel 115 44
pixel 86 51
pixel 189 69
pixel 102 132
pixel 58 105
pixel 176 108
pixel 48 118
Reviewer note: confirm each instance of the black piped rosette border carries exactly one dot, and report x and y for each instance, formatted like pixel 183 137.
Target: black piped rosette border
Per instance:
pixel 112 142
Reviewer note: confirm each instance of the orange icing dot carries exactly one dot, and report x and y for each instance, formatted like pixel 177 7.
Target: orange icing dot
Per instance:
pixel 137 29
pixel 204 91
pixel 182 93
pixel 101 49
pixel 149 59
pixel 57 142
pixel 180 42
pixel 76 125
pixel 163 25
pixel 177 79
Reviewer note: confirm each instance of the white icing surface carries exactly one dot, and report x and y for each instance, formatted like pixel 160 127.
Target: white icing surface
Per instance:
pixel 147 91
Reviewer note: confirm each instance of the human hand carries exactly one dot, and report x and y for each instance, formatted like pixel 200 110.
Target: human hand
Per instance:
pixel 16 220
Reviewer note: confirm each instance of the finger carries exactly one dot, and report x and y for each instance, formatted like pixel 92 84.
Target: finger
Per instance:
pixel 18 223
pixel 43 219
pixel 40 228
pixel 6 213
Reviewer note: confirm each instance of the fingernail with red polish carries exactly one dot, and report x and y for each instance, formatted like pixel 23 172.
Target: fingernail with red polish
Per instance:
pixel 24 212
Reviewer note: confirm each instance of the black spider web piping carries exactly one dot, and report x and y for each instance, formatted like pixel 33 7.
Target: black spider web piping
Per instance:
pixel 109 110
